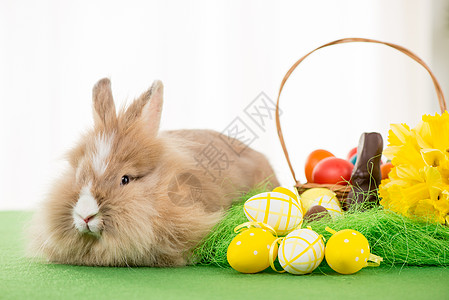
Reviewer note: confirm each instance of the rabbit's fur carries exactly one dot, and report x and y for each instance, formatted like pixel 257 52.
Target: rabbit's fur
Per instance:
pixel 92 217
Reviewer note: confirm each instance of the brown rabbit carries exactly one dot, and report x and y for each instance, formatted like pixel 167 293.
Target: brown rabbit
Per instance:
pixel 136 197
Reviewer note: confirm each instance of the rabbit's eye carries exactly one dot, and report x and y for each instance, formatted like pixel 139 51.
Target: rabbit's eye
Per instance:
pixel 125 180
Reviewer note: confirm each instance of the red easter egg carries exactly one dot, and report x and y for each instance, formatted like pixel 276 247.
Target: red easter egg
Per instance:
pixel 332 170
pixel 351 153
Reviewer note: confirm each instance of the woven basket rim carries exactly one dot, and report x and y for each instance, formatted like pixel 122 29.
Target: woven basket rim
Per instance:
pixel 438 90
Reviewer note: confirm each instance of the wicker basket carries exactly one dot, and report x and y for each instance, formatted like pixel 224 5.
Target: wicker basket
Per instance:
pixel 342 190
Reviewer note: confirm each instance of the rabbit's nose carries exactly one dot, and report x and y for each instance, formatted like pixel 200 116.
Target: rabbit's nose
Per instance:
pixel 88 218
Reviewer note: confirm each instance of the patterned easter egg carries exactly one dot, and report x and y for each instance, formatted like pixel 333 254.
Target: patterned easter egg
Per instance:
pixel 279 210
pixel 292 192
pixel 301 251
pixel 249 250
pixel 347 251
pixel 324 197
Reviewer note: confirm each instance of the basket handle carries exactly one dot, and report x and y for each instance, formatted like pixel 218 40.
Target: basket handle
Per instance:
pixel 412 55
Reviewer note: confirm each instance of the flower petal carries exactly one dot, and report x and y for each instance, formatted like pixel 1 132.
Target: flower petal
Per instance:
pixel 397 134
pixel 433 157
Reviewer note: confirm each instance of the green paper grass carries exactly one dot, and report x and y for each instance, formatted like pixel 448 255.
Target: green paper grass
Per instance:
pixel 397 239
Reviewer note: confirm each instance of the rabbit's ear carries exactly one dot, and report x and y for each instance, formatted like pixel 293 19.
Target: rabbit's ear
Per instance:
pixel 103 103
pixel 151 111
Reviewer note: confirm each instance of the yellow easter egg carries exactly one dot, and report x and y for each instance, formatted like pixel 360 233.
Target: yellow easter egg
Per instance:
pixel 279 210
pixel 301 251
pixel 347 251
pixel 249 250
pixel 332 205
pixel 324 197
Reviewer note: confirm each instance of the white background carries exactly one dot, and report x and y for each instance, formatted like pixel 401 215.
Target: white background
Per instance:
pixel 214 58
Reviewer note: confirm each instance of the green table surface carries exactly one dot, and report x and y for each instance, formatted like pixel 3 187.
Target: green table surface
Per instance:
pixel 22 278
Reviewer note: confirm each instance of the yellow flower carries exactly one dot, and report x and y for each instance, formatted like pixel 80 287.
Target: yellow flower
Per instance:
pixel 418 184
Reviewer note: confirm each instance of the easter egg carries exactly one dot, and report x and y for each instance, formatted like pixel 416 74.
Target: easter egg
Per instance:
pixel 279 210
pixel 385 169
pixel 293 192
pixel 249 250
pixel 315 213
pixel 347 251
pixel 351 153
pixel 353 159
pixel 301 251
pixel 313 159
pixel 331 204
pixel 315 195
pixel 332 170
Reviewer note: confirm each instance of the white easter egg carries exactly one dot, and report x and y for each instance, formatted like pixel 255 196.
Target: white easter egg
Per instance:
pixel 301 251
pixel 291 191
pixel 278 210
